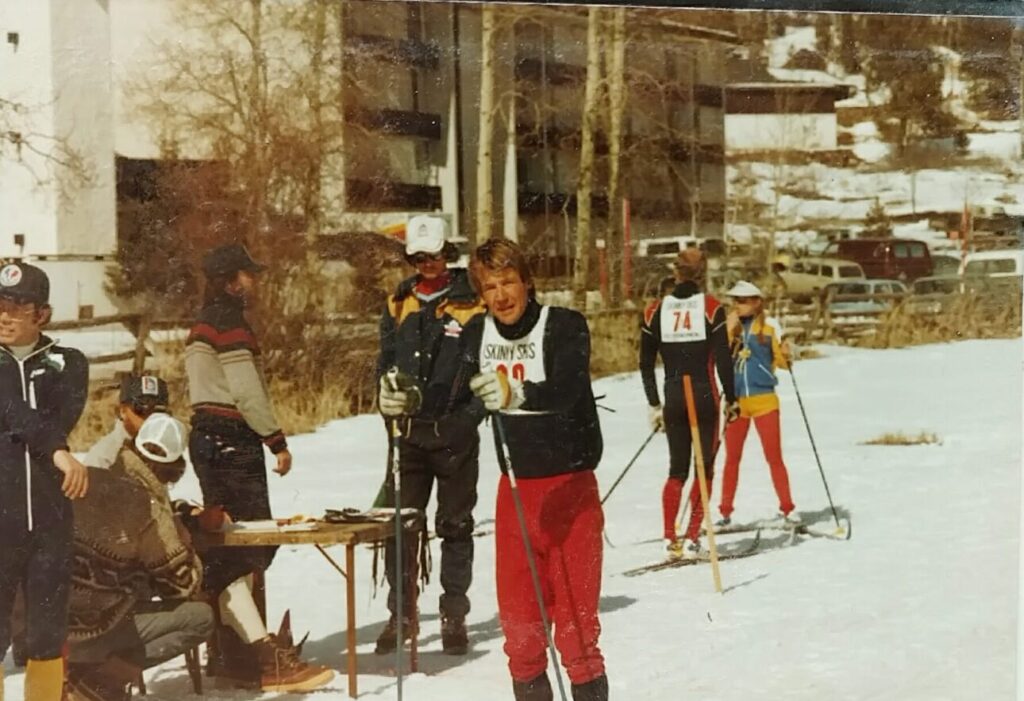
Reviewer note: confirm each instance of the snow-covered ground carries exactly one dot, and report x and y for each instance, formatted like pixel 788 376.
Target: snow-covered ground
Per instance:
pixel 921 604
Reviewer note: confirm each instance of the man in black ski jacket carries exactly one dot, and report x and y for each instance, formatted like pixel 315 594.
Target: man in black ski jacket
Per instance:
pixel 43 389
pixel 420 335
pixel 687 327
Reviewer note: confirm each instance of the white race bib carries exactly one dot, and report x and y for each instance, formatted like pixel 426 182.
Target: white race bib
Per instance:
pixel 520 358
pixel 682 320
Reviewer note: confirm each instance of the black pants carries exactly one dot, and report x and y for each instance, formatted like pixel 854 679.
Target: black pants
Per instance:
pixel 447 451
pixel 677 427
pixel 39 562
pixel 233 474
pixel 156 632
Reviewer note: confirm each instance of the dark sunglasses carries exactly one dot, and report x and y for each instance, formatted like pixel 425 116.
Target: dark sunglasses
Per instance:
pixel 420 258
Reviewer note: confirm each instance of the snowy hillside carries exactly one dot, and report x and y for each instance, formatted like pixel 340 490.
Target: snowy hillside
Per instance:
pixel 921 604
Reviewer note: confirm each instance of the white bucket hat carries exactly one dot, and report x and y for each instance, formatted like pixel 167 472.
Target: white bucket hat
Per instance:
pixel 745 289
pixel 161 438
pixel 424 234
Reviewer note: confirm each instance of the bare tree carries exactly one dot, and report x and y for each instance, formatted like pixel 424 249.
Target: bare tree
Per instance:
pixel 591 101
pixel 485 141
pixel 616 112
pixel 48 158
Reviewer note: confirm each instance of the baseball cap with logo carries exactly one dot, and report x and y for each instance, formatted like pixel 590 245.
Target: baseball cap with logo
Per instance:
pixel 161 439
pixel 425 234
pixel 148 392
pixel 22 282
pixel 228 260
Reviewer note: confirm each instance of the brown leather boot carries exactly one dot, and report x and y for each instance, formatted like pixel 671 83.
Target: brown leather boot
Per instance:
pixel 282 670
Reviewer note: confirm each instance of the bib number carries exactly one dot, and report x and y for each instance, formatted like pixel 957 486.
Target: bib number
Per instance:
pixel 682 320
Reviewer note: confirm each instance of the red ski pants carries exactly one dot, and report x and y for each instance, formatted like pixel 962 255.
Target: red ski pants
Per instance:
pixel 735 435
pixel 564 521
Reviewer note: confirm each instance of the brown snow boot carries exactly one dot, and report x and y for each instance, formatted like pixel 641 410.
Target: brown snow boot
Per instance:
pixel 281 670
pixel 387 641
pixel 454 639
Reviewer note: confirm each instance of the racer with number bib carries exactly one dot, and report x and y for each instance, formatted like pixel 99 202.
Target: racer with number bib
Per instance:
pixel 688 329
pixel 533 366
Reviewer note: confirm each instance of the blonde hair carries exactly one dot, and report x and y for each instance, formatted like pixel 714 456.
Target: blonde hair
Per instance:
pixel 495 255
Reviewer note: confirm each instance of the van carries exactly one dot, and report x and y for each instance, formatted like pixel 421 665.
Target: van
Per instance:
pixel 670 246
pixel 1005 263
pixel 896 259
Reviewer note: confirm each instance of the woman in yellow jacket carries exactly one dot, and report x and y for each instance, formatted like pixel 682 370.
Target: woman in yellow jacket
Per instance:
pixel 758 350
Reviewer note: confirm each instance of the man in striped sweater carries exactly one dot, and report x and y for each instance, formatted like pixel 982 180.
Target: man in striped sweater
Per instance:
pixel 233 419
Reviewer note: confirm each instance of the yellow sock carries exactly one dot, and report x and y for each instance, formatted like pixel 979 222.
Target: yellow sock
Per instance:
pixel 44 680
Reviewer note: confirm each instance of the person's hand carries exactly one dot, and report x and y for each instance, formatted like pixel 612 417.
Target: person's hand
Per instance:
pixel 399 395
pixel 731 411
pixel 656 415
pixel 76 475
pixel 496 391
pixel 787 352
pixel 212 518
pixel 284 462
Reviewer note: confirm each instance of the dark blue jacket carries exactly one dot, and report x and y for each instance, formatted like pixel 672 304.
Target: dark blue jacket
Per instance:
pixel 41 399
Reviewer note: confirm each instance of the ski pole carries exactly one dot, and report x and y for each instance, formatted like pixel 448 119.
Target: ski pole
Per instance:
pixel 396 476
pixel 814 447
pixel 637 455
pixel 721 440
pixel 698 452
pixel 504 456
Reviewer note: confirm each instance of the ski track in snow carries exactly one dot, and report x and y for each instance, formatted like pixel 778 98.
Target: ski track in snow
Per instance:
pixel 920 604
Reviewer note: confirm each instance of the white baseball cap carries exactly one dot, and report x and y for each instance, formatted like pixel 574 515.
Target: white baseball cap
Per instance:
pixel 745 289
pixel 425 234
pixel 161 438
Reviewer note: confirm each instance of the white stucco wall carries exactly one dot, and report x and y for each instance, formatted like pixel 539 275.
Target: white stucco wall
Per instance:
pixel 60 73
pixel 780 131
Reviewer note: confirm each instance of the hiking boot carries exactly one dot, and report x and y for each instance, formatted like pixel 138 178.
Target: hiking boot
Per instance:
pixel 537 689
pixel 281 670
pixel 454 639
pixel 387 641
pixel 109 681
pixel 231 660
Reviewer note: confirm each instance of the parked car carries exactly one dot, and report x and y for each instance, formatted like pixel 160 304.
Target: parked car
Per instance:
pixel 933 294
pixel 896 259
pixel 834 292
pixel 808 276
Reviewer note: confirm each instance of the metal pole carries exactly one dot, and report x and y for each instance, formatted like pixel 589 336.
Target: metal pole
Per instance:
pixel 396 476
pixel 637 455
pixel 505 457
pixel 814 447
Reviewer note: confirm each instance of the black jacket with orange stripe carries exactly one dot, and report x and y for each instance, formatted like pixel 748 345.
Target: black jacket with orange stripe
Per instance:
pixel 698 359
pixel 423 340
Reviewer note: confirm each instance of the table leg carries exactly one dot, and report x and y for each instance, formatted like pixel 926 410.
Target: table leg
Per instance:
pixel 350 595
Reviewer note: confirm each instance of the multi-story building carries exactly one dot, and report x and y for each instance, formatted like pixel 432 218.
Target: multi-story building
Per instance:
pixel 57 196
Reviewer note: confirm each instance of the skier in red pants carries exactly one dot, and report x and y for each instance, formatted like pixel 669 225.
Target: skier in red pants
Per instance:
pixel 687 327
pixel 533 366
pixel 759 349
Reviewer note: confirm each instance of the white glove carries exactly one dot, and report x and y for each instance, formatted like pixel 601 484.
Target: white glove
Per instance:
pixel 497 391
pixel 396 402
pixel 656 415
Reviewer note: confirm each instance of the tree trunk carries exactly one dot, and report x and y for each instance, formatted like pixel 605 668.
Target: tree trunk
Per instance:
pixel 258 113
pixel 314 199
pixel 484 157
pixel 586 173
pixel 617 106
